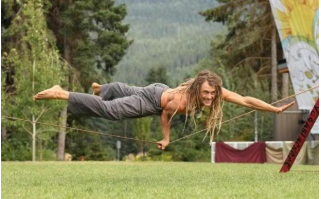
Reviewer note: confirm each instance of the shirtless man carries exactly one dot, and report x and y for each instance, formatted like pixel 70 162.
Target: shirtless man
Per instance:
pixel 116 101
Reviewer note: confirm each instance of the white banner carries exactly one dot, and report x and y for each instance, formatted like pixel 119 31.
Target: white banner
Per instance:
pixel 298 27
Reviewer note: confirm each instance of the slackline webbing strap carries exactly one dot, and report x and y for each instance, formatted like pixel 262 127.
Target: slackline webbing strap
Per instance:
pixel 314 114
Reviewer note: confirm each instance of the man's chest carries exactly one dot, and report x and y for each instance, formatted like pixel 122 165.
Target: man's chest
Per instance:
pixel 175 106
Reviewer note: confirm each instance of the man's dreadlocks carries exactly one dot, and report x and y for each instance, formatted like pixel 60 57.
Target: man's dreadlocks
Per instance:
pixel 192 90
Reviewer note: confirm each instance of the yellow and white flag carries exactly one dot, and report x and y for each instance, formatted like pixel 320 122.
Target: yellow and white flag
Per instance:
pixel 297 22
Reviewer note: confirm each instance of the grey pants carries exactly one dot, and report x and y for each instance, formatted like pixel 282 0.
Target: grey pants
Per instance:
pixel 119 101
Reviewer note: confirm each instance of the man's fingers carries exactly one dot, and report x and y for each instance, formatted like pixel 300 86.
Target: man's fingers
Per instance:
pixel 284 107
pixel 160 146
pixel 288 105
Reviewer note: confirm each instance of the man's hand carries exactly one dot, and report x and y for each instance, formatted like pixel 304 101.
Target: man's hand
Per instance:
pixel 284 107
pixel 162 144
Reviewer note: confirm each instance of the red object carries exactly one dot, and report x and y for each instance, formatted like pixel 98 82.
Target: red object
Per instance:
pixel 255 153
pixel 301 138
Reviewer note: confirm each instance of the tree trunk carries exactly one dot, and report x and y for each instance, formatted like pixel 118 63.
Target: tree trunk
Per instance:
pixel 33 139
pixel 63 113
pixel 3 133
pixel 40 150
pixel 274 90
pixel 285 85
pixel 34 130
pixel 62 134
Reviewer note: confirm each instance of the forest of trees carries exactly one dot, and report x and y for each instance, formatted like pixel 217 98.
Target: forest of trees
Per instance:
pixel 75 43
pixel 165 34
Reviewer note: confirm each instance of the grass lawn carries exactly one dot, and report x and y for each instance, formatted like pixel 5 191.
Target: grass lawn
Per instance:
pixel 156 180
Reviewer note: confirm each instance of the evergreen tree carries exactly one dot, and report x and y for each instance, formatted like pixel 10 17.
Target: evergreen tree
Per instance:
pixel 248 42
pixel 91 38
pixel 157 75
pixel 30 52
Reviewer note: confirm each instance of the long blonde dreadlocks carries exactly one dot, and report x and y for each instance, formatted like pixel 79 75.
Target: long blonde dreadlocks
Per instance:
pixel 192 90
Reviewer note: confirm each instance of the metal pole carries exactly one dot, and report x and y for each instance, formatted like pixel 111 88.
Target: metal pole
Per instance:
pixel 213 152
pixel 118 154
pixel 255 127
pixel 255 116
pixel 118 145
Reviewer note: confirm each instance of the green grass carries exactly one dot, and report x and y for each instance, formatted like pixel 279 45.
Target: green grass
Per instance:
pixel 156 180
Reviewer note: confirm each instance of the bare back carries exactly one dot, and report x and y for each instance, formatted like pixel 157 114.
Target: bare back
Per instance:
pixel 170 101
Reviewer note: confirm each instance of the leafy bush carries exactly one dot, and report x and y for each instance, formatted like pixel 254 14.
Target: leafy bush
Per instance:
pixel 47 155
pixel 98 153
pixel 15 150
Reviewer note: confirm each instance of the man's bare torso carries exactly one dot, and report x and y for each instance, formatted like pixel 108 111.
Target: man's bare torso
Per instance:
pixel 170 101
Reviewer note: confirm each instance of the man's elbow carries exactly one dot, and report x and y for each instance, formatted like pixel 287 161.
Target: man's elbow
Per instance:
pixel 247 101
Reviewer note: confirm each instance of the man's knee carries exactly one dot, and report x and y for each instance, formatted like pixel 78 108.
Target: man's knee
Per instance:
pixel 115 86
pixel 118 89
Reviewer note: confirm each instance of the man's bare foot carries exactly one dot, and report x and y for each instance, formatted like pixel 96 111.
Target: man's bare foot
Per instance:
pixel 54 92
pixel 96 88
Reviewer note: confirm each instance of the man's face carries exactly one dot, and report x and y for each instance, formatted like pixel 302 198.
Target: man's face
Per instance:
pixel 207 94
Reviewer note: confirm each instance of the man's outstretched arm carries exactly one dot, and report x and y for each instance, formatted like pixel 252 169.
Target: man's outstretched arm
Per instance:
pixel 166 125
pixel 252 102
